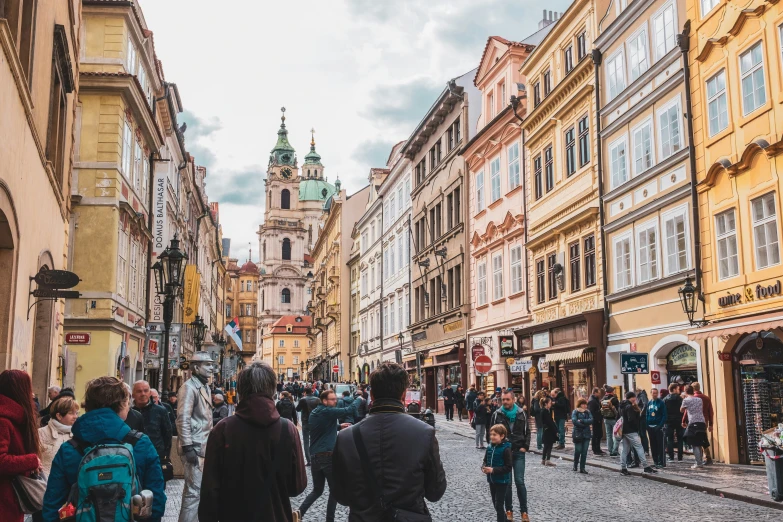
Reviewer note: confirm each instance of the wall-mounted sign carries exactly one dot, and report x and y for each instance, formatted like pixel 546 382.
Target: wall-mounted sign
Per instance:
pixel 419 336
pixel 541 340
pixel 77 338
pixel 452 326
pixel 56 279
pixel 724 356
pixel 476 351
pixel 633 347
pixel 730 300
pixel 655 377
pixel 152 348
pixel 759 292
pixel 683 355
pixel 520 366
pixel 634 363
pixel 768 291
pixel 543 365
pixel 483 364
pixel 50 293
pixel 506 346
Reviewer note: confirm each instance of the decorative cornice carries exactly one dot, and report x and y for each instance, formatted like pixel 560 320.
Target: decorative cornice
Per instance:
pixel 546 227
pixel 745 162
pixel 721 41
pixel 561 94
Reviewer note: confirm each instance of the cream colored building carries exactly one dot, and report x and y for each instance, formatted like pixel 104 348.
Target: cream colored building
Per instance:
pixel 285 346
pixel 39 80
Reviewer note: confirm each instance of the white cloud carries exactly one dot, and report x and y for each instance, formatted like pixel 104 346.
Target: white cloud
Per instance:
pixel 359 71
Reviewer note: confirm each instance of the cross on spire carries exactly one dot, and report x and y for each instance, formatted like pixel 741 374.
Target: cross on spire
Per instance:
pixel 312 136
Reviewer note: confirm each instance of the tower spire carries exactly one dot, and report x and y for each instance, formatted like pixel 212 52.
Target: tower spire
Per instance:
pixel 312 139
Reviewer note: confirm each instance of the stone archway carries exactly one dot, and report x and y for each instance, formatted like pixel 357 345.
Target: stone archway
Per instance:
pixel 43 337
pixel 664 347
pixel 9 239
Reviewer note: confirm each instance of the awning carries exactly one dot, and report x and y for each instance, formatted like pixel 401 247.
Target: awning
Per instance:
pixel 570 355
pixel 442 351
pixel 310 369
pixel 743 325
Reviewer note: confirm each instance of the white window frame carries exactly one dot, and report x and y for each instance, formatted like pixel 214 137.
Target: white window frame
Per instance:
pixel 131 57
pixel 670 40
pixel 515 254
pixel 513 165
pixel 494 179
pixel 653 251
pixel 629 259
pixel 128 141
pixel 707 6
pixel 671 214
pixel 676 102
pixel 750 74
pixel 392 318
pixel 615 164
pixel 615 74
pixel 481 282
pixel 762 223
pixel 479 191
pixel 727 237
pixel 716 99
pixel 497 276
pixel 648 123
pixel 643 56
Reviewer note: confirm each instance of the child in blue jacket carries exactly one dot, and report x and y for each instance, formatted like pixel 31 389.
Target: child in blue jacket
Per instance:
pixel 497 466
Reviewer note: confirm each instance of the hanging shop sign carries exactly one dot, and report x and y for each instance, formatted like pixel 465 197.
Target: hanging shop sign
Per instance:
pixel 684 355
pixel 506 346
pixel 50 293
pixel 634 363
pixel 152 348
pixel 191 291
pixel 56 279
pixel 543 365
pixel 520 366
pixel 477 351
pixel 78 338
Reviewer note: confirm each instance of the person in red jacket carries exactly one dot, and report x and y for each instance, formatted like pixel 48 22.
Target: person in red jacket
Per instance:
pixel 19 444
pixel 709 415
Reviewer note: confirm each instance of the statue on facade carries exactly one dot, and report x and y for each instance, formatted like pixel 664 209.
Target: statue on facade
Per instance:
pixel 194 422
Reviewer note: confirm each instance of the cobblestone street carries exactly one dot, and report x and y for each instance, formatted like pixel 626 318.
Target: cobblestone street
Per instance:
pixel 554 494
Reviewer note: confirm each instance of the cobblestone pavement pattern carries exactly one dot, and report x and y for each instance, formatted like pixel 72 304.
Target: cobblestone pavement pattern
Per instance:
pixel 554 494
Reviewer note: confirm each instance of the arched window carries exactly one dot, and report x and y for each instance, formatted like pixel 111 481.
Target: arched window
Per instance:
pixel 286 249
pixel 285 199
pixel 308 173
pixel 285 296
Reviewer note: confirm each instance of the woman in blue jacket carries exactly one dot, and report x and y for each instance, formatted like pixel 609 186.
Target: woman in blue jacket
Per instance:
pixel 107 403
pixel 582 420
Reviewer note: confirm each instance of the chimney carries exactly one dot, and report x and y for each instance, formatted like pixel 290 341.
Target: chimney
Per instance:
pixel 550 17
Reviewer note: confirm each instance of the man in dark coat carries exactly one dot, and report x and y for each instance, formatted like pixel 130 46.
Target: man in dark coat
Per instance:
pixel 156 419
pixel 594 406
pixel 562 409
pixel 285 407
pixel 448 401
pixel 254 460
pixel 305 405
pixel 402 452
pixel 220 408
pixel 167 403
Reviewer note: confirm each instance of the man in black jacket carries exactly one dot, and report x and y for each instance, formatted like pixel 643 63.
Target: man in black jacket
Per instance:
pixel 562 410
pixel 515 420
pixel 594 405
pixel 156 419
pixel 402 455
pixel 448 401
pixel 674 427
pixel 305 405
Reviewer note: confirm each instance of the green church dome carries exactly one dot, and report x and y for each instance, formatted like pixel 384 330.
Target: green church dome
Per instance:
pixel 315 190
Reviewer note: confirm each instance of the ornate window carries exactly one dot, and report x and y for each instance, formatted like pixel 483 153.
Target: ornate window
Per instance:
pixel 285 296
pixel 286 249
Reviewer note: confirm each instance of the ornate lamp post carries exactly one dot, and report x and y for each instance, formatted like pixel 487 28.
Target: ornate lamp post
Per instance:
pixel 199 330
pixel 168 272
pixel 689 298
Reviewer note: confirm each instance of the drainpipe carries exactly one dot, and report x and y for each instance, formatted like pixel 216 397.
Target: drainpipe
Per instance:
pixel 514 105
pixel 601 214
pixel 383 280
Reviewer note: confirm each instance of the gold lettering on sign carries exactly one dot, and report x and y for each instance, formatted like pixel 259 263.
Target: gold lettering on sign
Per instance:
pixel 450 327
pixel 748 294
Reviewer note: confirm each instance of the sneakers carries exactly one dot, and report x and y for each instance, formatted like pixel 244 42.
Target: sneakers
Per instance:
pixel 697 466
pixel 624 472
pixel 648 469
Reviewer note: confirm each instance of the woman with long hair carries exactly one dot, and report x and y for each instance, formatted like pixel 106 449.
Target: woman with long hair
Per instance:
pixel 19 445
pixel 549 428
pixel 535 405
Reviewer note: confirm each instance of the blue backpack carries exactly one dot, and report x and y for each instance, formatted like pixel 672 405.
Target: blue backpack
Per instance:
pixel 106 480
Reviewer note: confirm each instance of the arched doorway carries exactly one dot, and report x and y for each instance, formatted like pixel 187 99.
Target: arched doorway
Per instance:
pixel 366 373
pixel 677 359
pixel 43 328
pixel 9 238
pixel 757 367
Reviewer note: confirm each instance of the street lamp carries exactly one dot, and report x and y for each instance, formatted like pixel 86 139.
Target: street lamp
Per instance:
pixel 199 330
pixel 689 298
pixel 168 272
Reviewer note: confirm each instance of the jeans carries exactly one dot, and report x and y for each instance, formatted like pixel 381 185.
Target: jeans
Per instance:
pixel 519 481
pixel 655 433
pixel 481 432
pixel 547 451
pixel 580 453
pixel 322 474
pixel 611 444
pixel 561 431
pixel 306 441
pixel 598 432
pixel 697 452
pixel 498 492
pixel 539 435
pixel 459 412
pixel 632 440
pixel 673 429
pixel 449 410
pixel 643 432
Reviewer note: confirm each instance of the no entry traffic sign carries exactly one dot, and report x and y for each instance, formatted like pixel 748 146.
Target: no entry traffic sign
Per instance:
pixel 335 368
pixel 483 364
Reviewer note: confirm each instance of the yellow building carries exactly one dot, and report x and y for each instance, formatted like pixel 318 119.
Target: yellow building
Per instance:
pixel 242 302
pixel 736 89
pixel 116 135
pixel 285 345
pixel 566 345
pixel 39 81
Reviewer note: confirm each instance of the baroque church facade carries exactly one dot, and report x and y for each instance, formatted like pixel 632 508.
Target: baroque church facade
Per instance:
pixel 294 198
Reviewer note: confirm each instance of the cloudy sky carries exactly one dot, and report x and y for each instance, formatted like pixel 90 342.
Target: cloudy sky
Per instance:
pixel 361 72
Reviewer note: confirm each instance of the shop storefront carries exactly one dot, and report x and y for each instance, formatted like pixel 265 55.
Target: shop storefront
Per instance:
pixel 440 368
pixel 565 354
pixel 681 365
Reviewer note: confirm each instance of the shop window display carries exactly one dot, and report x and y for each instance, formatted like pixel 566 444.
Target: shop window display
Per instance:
pixel 681 365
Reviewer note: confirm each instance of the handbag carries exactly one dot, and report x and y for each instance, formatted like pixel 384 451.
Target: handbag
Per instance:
pixel 167 467
pixel 393 513
pixel 29 490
